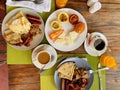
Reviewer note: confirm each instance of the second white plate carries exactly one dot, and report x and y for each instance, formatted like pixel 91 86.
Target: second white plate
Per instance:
pixel 67 27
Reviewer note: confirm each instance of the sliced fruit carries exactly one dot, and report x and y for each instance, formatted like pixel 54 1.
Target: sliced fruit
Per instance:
pixel 73 19
pixel 79 27
pixel 55 25
pixel 108 60
pixel 63 17
pixel 56 34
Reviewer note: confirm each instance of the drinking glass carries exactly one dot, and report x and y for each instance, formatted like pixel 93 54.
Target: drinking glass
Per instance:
pixel 61 3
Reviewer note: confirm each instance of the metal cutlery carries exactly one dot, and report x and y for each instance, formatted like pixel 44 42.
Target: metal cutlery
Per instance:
pixel 35 1
pixel 92 71
pixel 100 77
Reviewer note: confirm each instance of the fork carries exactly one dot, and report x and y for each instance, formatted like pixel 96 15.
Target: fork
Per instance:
pixel 91 71
pixel 35 1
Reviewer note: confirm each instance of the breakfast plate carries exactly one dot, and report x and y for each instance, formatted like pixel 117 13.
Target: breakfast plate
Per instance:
pixel 90 49
pixel 48 48
pixel 68 27
pixel 80 63
pixel 34 40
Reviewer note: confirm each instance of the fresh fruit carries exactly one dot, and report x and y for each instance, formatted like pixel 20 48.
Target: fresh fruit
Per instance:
pixel 56 34
pixel 73 19
pixel 79 27
pixel 108 60
pixel 63 17
pixel 55 25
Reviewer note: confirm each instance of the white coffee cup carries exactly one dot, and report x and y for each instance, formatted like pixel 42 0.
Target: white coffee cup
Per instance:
pixel 98 42
pixel 43 57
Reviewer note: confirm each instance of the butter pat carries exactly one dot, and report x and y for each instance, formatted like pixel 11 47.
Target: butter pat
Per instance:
pixel 91 2
pixel 95 7
pixel 19 24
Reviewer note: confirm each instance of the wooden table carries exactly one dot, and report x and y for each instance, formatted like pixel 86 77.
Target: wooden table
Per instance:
pixel 106 21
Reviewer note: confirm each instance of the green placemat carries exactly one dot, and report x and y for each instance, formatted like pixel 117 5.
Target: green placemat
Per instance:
pixel 47 78
pixel 24 57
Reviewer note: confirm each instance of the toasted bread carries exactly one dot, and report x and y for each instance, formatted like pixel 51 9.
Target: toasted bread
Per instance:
pixel 67 69
pixel 60 75
pixel 12 37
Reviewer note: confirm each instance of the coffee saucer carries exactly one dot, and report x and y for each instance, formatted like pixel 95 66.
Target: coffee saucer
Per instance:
pixel 89 47
pixel 48 48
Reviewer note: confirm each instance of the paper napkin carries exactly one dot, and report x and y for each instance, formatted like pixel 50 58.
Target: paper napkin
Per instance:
pixel 43 7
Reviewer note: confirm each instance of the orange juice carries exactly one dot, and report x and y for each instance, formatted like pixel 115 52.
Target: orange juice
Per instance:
pixel 61 3
pixel 108 60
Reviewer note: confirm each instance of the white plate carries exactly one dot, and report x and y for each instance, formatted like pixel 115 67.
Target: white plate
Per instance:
pixel 81 64
pixel 92 51
pixel 67 27
pixel 37 39
pixel 48 48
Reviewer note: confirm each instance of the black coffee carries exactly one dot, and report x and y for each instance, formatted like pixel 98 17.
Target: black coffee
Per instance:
pixel 99 44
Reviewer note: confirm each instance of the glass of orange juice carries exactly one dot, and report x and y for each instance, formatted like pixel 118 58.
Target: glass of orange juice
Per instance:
pixel 61 3
pixel 108 61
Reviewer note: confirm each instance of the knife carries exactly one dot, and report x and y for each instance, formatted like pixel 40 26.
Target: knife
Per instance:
pixel 100 77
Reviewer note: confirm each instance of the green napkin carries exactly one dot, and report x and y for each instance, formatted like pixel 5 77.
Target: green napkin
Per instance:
pixel 24 57
pixel 47 78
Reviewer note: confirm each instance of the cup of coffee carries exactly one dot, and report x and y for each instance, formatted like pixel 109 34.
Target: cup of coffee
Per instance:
pixel 99 43
pixel 43 57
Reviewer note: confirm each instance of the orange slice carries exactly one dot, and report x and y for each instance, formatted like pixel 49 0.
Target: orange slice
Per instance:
pixel 108 60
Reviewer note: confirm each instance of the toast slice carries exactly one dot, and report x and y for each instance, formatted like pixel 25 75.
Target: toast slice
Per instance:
pixel 67 69
pixel 60 75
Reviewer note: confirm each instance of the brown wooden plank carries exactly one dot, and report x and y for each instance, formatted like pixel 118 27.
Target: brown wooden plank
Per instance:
pixel 34 86
pixel 24 77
